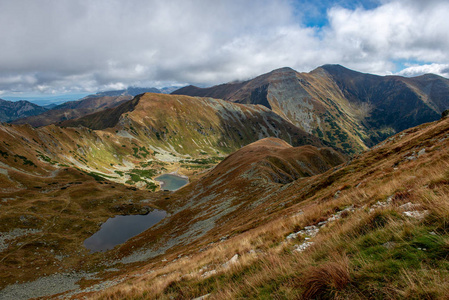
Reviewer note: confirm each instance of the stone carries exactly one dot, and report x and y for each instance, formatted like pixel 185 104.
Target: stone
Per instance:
pixel 409 206
pixel 421 152
pixel 209 273
pixel 230 262
pixel 302 247
pixel 389 245
pixel 416 214
pixel 292 236
pixel 202 297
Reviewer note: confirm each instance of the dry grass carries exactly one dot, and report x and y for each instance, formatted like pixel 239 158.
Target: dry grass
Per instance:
pixel 362 254
pixel 326 281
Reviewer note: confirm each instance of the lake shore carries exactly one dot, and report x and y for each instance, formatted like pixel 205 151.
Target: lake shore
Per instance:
pixel 172 181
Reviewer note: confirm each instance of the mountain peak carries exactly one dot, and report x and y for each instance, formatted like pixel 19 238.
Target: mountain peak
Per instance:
pixel 337 69
pixel 283 70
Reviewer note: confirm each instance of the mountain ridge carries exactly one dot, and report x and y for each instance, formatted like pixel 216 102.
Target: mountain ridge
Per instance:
pixel 11 110
pixel 87 105
pixel 349 109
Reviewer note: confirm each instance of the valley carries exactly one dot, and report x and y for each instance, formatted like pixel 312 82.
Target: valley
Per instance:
pixel 291 185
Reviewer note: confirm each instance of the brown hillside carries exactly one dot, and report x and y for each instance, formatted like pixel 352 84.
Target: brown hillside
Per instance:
pixel 374 226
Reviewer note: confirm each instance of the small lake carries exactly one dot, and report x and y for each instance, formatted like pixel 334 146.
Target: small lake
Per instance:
pixel 119 229
pixel 172 182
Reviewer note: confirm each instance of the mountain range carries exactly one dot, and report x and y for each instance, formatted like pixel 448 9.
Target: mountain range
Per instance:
pixel 10 110
pixel 273 207
pixel 350 110
pixel 41 116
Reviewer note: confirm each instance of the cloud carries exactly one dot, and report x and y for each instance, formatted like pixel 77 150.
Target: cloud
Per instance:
pixel 85 46
pixel 416 70
pixel 397 30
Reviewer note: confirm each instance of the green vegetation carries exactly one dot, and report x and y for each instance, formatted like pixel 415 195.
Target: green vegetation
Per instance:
pixel 25 160
pixel 47 159
pixel 204 161
pixel 141 175
pixel 4 154
pixel 149 173
pixel 140 152
pixel 98 176
pixel 151 186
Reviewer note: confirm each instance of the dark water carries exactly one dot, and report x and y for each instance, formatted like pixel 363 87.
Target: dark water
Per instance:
pixel 119 229
pixel 172 182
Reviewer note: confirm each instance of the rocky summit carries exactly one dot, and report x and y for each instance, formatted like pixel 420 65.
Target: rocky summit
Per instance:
pixel 331 184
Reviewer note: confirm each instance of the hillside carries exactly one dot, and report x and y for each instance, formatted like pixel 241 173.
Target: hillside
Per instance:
pixel 185 125
pixel 351 110
pixel 150 134
pixel 375 227
pixel 12 110
pixel 52 209
pixel 269 221
pixel 90 104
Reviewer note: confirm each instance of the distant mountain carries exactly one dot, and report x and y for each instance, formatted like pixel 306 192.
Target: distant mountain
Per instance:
pixel 131 91
pixel 169 89
pixel 73 109
pixel 12 110
pixel 351 110
pixel 87 105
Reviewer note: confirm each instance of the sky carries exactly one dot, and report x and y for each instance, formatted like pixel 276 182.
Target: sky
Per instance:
pixel 52 48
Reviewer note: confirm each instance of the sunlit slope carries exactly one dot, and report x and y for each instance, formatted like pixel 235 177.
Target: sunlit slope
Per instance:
pixel 188 125
pixel 375 226
pixel 146 133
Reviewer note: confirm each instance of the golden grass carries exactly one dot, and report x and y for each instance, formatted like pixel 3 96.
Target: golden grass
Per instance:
pixel 340 263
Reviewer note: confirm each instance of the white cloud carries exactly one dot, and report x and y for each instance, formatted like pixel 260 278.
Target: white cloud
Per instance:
pixel 416 70
pixel 80 45
pixel 397 30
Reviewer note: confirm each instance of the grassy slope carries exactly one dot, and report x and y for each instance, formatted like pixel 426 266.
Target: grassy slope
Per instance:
pixel 59 181
pixel 373 250
pixel 152 133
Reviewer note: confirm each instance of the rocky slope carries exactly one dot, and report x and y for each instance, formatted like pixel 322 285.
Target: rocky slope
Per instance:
pixel 349 109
